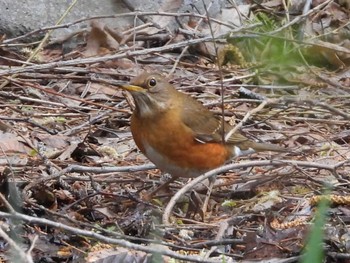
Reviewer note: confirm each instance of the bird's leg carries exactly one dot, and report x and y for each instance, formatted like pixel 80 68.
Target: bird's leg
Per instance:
pixel 207 196
pixel 149 196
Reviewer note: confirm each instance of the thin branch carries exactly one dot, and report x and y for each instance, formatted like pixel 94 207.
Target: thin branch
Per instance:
pixel 103 238
pixel 317 103
pixel 246 117
pixel 43 41
pixel 190 185
pixel 301 17
pixel 195 30
pixel 59 94
pixel 6 203
pixel 18 251
pixel 99 170
pixel 124 53
pixel 114 16
pixel 25 257
pixel 86 169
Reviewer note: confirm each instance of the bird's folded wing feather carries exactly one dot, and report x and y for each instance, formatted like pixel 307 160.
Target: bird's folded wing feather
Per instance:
pixel 206 126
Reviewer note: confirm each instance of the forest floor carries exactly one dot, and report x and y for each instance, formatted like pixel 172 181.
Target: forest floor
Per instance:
pixel 72 180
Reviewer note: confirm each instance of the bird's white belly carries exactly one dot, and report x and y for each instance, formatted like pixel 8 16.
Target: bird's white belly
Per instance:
pixel 164 164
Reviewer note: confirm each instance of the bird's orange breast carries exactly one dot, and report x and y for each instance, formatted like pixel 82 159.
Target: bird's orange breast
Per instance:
pixel 171 146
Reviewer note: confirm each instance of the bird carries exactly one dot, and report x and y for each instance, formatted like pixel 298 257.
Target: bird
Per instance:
pixel 179 134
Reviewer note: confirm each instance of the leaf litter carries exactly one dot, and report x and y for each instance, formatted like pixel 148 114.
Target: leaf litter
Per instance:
pixel 57 123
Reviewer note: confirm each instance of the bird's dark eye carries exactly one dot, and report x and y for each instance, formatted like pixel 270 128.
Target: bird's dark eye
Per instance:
pixel 152 82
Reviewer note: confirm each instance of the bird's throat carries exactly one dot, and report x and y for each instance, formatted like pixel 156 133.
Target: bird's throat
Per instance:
pixel 147 107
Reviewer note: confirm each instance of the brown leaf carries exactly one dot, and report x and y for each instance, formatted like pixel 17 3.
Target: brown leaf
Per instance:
pixel 10 143
pixel 99 40
pixel 118 254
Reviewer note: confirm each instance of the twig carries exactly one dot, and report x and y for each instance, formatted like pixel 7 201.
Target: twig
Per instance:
pixel 220 70
pixel 250 94
pixel 185 49
pixel 91 121
pixel 99 170
pixel 339 255
pixel 190 185
pixel 124 53
pixel 119 234
pixel 67 25
pixel 317 103
pixel 48 34
pixel 25 257
pixel 43 41
pixel 315 120
pixel 6 203
pixel 32 245
pixel 221 233
pixel 246 117
pixel 320 44
pixel 103 238
pixel 11 95
pixel 53 92
pixel 327 80
pixel 301 17
pixel 86 169
pixel 306 9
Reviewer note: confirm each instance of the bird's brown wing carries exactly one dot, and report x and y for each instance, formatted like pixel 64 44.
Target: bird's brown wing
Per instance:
pixel 206 126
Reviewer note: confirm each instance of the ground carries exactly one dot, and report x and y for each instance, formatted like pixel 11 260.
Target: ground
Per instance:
pixel 73 182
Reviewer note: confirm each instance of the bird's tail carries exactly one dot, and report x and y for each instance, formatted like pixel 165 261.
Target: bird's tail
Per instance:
pixel 262 147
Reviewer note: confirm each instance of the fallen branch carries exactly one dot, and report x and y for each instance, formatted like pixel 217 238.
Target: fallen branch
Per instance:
pixel 123 54
pixel 225 168
pixel 103 238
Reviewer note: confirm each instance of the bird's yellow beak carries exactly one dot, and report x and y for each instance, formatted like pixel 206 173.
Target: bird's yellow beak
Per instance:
pixel 132 88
